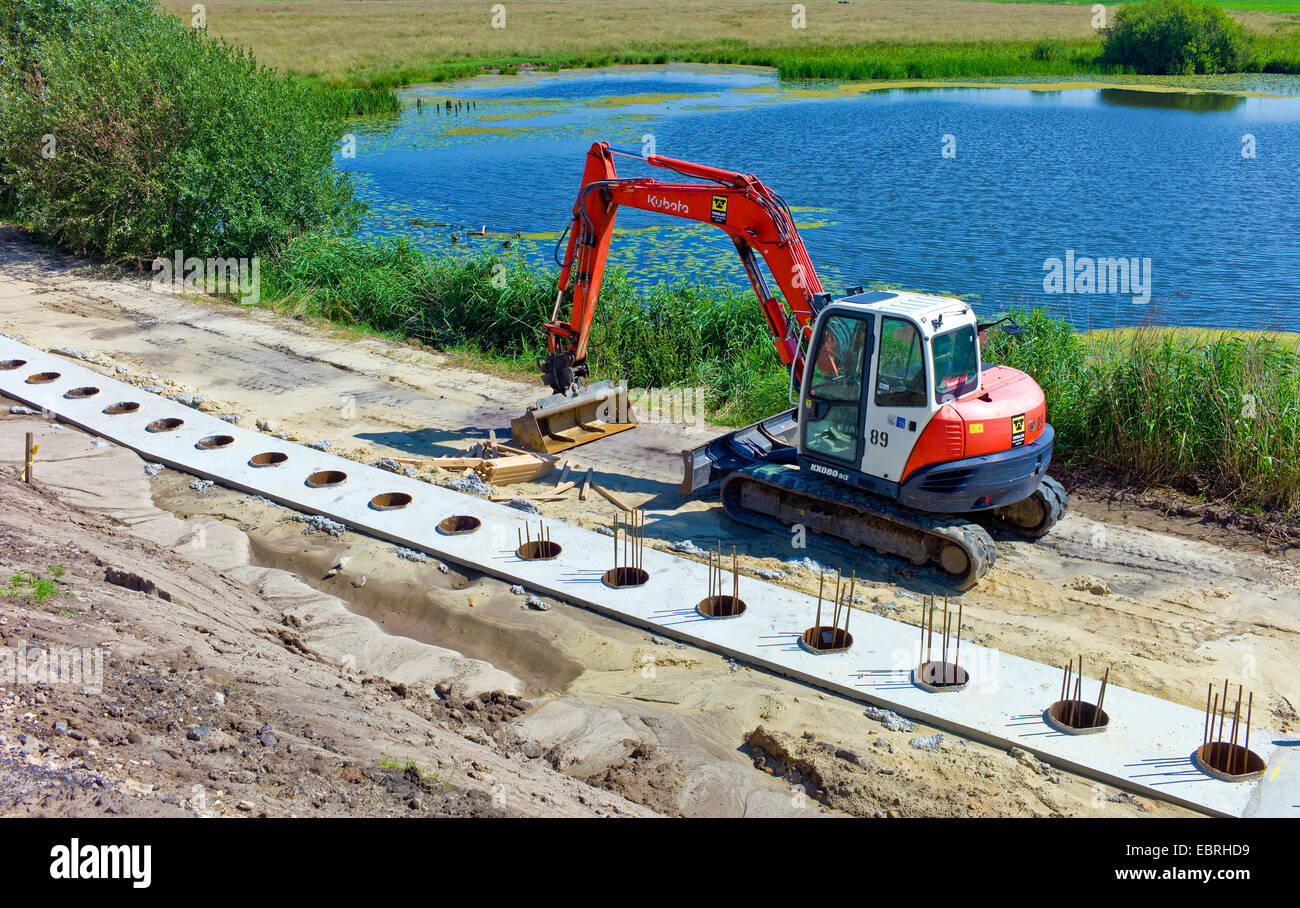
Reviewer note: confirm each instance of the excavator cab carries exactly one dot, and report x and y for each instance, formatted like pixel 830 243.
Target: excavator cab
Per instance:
pixel 894 400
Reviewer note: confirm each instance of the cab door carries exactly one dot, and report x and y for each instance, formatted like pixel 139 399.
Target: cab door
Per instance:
pixel 831 414
pixel 898 403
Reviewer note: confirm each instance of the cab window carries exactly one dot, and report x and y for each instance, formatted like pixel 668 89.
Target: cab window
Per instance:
pixel 837 367
pixel 956 363
pixel 900 377
pixel 832 408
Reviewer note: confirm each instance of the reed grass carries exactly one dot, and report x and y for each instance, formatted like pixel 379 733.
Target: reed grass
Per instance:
pixel 1211 413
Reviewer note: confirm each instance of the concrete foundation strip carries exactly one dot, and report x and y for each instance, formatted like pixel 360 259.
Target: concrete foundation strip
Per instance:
pixel 1147 747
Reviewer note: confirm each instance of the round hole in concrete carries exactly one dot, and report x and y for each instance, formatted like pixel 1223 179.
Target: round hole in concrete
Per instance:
pixel 940 677
pixel 824 639
pixel 325 478
pixel 80 393
pixel 165 425
pixel 390 501
pixel 42 378
pixel 458 525
pixel 268 459
pixel 13 364
pixel 212 442
pixel 126 406
pixel 621 577
pixel 1076 717
pixel 1229 762
pixel 721 607
pixel 539 550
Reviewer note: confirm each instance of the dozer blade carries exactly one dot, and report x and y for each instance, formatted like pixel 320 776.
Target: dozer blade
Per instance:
pixel 770 440
pixel 559 422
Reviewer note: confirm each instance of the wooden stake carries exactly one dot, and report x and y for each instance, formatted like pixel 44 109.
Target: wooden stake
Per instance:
pixel 612 498
pixel 29 458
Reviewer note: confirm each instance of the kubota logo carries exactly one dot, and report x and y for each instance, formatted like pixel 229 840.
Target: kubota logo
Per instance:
pixel 659 203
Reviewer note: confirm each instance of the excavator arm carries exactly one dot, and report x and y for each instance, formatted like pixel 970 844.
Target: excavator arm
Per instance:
pixel 753 216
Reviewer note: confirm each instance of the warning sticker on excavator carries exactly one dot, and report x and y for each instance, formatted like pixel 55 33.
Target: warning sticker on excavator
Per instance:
pixel 718 214
pixel 1017 430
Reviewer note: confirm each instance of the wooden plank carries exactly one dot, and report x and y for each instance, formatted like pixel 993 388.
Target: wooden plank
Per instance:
pixel 564 474
pixel 612 498
pixel 445 463
pixel 586 481
pixel 517 460
pixel 517 468
pixel 509 450
pixel 547 497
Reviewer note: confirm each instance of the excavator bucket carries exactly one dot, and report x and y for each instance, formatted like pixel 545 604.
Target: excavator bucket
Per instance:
pixel 771 440
pixel 560 422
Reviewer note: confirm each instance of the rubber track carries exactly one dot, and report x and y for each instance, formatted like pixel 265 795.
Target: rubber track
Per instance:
pixel 1052 493
pixel 835 496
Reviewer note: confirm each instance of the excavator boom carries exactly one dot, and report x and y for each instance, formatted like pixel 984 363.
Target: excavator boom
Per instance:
pixel 752 215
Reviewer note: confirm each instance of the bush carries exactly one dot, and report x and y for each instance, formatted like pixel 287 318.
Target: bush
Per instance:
pixel 125 135
pixel 1176 37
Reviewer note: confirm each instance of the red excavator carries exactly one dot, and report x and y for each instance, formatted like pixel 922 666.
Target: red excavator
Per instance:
pixel 901 439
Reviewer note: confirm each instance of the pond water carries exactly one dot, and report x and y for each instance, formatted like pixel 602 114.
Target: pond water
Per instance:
pixel 999 194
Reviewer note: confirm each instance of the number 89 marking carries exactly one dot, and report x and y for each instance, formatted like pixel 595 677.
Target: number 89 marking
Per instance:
pixel 880 438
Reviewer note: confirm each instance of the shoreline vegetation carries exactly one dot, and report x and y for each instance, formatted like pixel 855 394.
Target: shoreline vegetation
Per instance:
pixel 1213 413
pixel 188 143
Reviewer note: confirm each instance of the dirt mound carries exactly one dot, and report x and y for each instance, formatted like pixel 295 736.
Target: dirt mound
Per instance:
pixel 860 784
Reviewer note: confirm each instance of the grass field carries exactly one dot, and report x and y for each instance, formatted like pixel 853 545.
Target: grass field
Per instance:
pixel 388 42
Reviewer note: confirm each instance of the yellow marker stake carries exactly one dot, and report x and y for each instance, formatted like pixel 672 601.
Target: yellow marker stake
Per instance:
pixel 31 462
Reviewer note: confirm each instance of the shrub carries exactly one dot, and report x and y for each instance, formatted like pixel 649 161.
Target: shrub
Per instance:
pixel 125 135
pixel 1176 37
pixel 1049 50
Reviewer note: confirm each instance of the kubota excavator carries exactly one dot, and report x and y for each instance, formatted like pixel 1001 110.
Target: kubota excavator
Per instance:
pixel 901 439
